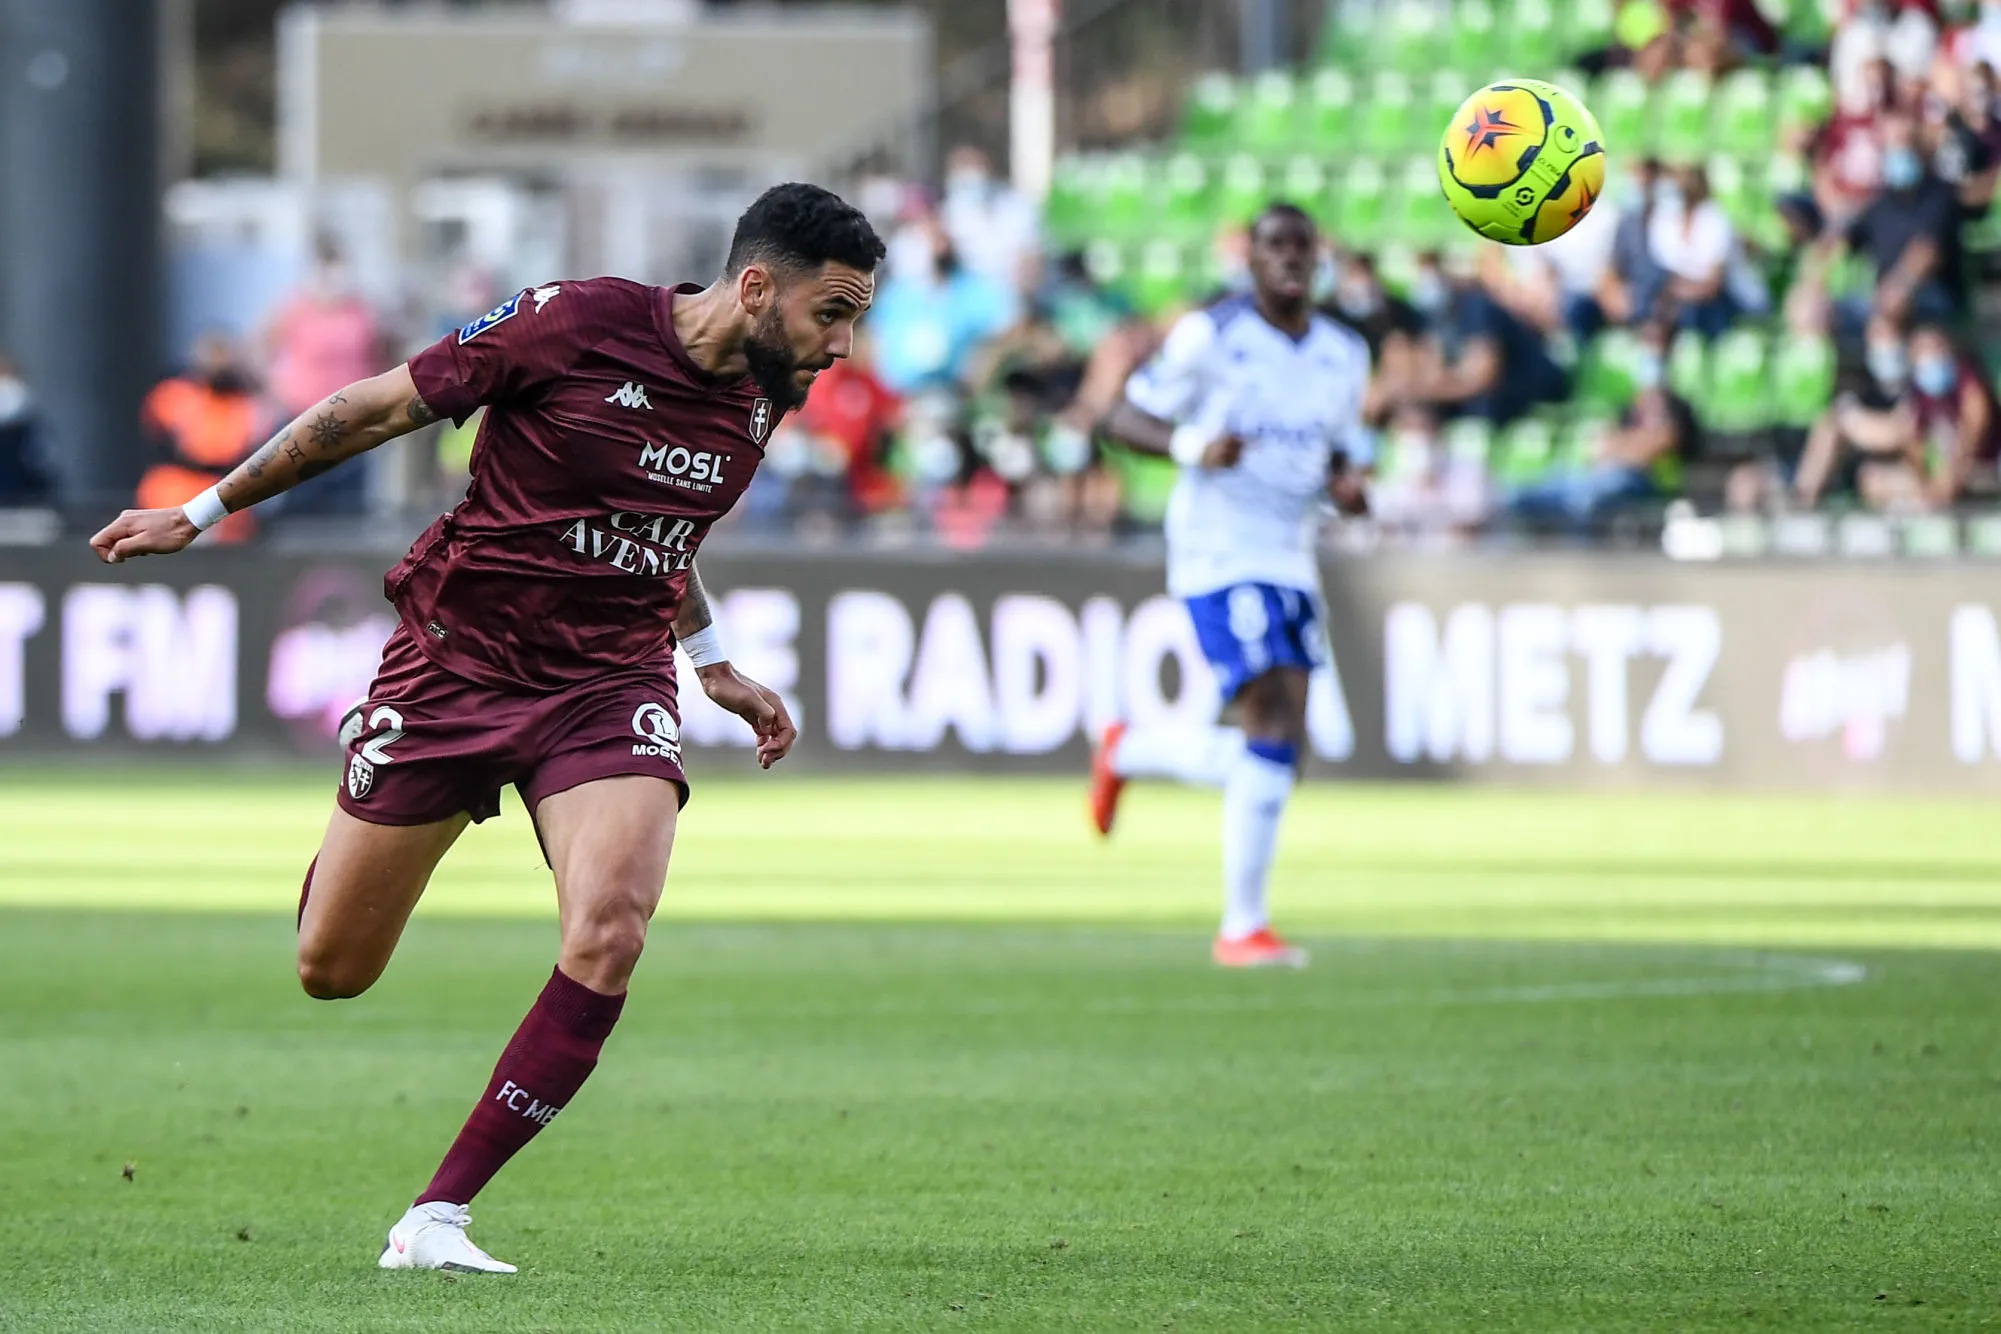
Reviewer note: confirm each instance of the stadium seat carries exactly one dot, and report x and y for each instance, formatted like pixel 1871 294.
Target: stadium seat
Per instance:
pixel 1160 276
pixel 1417 38
pixel 1577 440
pixel 1472 39
pixel 1739 193
pixel 1681 116
pixel 1620 100
pixel 1348 35
pixel 1327 116
pixel 1586 27
pixel 1444 90
pixel 1181 191
pixel 1105 261
pixel 1807 23
pixel 1265 114
pixel 1416 210
pixel 1210 119
pixel 1804 97
pixel 1802 371
pixel 1534 41
pixel 1745 123
pixel 1070 211
pixel 1688 366
pixel 1470 441
pixel 1605 370
pixel 1524 452
pixel 1389 119
pixel 1124 188
pixel 1241 190
pixel 1302 180
pixel 1361 200
pixel 1739 393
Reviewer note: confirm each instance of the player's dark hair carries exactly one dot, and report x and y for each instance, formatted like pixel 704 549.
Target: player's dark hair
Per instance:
pixel 1286 210
pixel 800 226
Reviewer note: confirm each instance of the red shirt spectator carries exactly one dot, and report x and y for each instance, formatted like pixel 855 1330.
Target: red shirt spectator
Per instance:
pixel 853 408
pixel 321 340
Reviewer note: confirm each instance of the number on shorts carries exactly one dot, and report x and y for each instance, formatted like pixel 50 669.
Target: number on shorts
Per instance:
pixel 376 749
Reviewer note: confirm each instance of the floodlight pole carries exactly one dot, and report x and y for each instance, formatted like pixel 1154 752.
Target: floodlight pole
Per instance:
pixel 1031 28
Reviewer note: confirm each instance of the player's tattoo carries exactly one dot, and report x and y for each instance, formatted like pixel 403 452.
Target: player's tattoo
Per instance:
pixel 254 465
pixel 337 398
pixel 694 615
pixel 327 430
pixel 297 455
pixel 419 411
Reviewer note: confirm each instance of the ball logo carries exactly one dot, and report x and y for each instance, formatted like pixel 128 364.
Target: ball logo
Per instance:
pixel 661 736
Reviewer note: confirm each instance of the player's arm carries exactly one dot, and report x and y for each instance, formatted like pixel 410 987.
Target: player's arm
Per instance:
pixel 1154 415
pixel 762 708
pixel 340 426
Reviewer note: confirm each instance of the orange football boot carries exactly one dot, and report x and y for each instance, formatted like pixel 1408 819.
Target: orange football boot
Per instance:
pixel 1106 785
pixel 1260 949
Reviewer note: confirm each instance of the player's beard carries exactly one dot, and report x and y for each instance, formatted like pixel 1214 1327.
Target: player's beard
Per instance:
pixel 772 362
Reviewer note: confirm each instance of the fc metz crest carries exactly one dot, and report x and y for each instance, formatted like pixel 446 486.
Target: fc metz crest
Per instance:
pixel 760 420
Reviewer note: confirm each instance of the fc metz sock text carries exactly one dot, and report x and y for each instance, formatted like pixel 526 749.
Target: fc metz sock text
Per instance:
pixel 552 1053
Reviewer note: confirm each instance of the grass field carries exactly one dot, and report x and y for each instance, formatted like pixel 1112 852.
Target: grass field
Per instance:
pixel 918 1055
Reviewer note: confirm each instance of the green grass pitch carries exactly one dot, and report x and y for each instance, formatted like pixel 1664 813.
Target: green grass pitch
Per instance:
pixel 919 1055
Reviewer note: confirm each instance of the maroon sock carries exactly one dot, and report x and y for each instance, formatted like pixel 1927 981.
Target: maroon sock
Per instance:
pixel 306 889
pixel 551 1055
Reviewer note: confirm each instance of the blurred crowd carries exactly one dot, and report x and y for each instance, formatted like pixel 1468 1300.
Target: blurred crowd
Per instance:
pixel 1565 388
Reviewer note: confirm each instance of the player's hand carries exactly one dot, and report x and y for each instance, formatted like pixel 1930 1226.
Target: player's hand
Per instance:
pixel 1224 452
pixel 144 533
pixel 1349 494
pixel 756 705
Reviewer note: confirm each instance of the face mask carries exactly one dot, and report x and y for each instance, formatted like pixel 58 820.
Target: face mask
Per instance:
pixel 13 398
pixel 1934 376
pixel 1667 194
pixel 1901 168
pixel 1886 363
pixel 1871 14
pixel 1358 301
pixel 1428 292
pixel 967 182
pixel 1649 369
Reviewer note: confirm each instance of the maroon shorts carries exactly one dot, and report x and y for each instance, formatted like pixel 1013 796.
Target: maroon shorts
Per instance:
pixel 432 744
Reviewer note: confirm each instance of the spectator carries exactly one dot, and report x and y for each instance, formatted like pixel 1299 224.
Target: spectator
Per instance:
pixel 993 228
pixel 1390 325
pixel 1910 232
pixel 1639 461
pixel 1967 155
pixel 24 471
pixel 1478 359
pixel 323 338
pixel 1903 33
pixel 1738 26
pixel 851 407
pixel 1421 491
pixel 928 325
pixel 1958 430
pixel 1628 289
pixel 1847 151
pixel 1556 286
pixel 202 424
pixel 1870 429
pixel 1965 49
pixel 1696 247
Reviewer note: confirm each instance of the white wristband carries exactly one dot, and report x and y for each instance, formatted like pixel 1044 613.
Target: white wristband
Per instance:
pixel 705 647
pixel 206 510
pixel 1188 444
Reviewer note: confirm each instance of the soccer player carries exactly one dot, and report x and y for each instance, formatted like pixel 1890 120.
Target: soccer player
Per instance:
pixel 1259 399
pixel 537 622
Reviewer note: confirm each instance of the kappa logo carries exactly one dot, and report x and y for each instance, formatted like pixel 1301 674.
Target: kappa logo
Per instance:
pixel 630 395
pixel 544 295
pixel 662 738
pixel 360 778
pixel 760 420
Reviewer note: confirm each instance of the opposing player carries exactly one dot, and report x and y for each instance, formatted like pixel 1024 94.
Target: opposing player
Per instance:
pixel 1259 399
pixel 537 623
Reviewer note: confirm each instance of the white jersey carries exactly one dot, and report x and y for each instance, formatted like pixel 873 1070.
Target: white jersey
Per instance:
pixel 1292 403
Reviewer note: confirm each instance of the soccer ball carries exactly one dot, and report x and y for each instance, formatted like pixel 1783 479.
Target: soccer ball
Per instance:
pixel 1521 162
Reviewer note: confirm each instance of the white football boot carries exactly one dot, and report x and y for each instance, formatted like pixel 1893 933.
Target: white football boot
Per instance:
pixel 433 1236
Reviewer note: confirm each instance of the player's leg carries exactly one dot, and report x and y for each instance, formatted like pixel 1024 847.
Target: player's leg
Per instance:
pixel 358 895
pixel 1272 708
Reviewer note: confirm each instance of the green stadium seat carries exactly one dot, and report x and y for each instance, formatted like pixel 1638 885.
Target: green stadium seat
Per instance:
pixel 1805 97
pixel 1525 452
pixel 1534 41
pixel 1241 190
pixel 1105 261
pixel 1586 27
pixel 1266 111
pixel 1209 121
pixel 1444 90
pixel 1802 370
pixel 1182 189
pixel 1416 211
pixel 1472 38
pixel 1361 197
pixel 1739 193
pixel 1605 370
pixel 1681 116
pixel 1160 276
pixel 1417 38
pixel 1578 440
pixel 1124 206
pixel 1739 395
pixel 1389 118
pixel 1302 180
pixel 1327 114
pixel 1688 365
pixel 1070 212
pixel 1807 22
pixel 1621 103
pixel 1348 35
pixel 1746 122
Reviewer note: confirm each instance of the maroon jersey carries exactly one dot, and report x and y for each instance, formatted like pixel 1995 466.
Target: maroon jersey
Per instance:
pixel 604 457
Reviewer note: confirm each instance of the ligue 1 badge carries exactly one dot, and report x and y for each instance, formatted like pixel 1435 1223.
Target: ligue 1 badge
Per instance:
pixel 760 421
